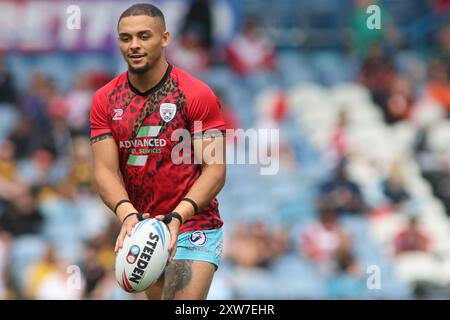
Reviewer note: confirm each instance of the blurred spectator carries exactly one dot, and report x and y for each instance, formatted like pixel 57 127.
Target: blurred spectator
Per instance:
pixel 378 74
pixel 443 46
pixel 248 52
pixel 99 270
pixel 7 160
pixel 188 53
pixel 10 183
pixel 199 19
pixel 272 111
pixel 81 172
pixel 342 194
pixel 438 85
pixel 434 164
pixel 253 245
pixel 24 137
pixel 56 285
pixel 322 239
pixel 346 262
pixel 78 103
pixel 21 216
pixel 349 281
pixel 7 86
pixel 400 100
pixel 339 145
pixel 92 269
pixel 38 270
pixel 394 186
pixel 36 100
pixel 39 169
pixel 59 139
pixel 411 238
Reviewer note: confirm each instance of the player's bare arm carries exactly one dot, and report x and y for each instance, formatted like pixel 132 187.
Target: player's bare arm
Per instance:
pixel 110 184
pixel 207 186
pixel 212 178
pixel 188 279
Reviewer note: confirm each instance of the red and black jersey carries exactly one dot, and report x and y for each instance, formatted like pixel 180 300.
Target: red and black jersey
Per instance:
pixel 142 125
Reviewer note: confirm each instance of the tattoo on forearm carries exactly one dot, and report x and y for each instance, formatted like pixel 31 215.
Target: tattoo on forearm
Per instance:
pixel 178 276
pixel 101 137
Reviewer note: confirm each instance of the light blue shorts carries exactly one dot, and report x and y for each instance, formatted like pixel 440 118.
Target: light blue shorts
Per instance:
pixel 203 245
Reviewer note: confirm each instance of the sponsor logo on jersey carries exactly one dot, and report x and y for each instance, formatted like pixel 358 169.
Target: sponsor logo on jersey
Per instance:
pixel 147 143
pixel 118 113
pixel 142 143
pixel 167 111
pixel 198 238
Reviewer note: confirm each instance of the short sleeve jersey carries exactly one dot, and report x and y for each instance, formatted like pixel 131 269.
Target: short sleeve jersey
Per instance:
pixel 149 129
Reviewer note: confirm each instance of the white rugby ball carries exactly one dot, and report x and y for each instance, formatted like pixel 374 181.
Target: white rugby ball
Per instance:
pixel 144 255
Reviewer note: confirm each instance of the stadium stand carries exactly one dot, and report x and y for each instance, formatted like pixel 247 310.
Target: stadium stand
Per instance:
pixel 329 115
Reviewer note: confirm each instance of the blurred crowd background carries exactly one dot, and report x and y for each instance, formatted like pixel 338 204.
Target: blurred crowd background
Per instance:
pixel 360 206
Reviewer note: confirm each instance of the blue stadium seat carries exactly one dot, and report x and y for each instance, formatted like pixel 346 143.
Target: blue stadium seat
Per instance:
pixel 9 117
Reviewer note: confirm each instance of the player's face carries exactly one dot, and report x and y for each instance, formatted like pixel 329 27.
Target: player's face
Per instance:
pixel 142 40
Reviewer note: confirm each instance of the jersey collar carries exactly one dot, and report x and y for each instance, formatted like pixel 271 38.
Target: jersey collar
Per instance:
pixel 155 88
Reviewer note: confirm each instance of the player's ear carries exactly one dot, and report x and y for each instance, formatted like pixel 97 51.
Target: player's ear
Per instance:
pixel 165 39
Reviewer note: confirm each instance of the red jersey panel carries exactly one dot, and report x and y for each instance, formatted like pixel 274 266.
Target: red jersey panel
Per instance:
pixel 142 125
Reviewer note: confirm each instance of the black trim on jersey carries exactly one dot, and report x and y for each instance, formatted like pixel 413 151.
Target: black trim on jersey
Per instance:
pixel 101 137
pixel 151 90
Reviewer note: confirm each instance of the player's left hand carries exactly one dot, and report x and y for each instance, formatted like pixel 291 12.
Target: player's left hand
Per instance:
pixel 174 226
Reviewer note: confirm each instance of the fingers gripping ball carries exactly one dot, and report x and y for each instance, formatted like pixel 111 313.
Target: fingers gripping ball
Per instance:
pixel 143 257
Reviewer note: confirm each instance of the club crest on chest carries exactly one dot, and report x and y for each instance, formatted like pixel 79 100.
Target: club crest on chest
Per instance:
pixel 167 111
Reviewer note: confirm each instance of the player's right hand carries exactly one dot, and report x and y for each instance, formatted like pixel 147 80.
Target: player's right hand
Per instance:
pixel 127 226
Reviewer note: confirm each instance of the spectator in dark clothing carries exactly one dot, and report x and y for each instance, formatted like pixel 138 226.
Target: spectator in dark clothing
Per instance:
pixel 35 101
pixel 378 74
pixel 24 138
pixel 7 88
pixel 437 86
pixel 396 193
pixel 199 19
pixel 22 216
pixel 443 46
pixel 58 140
pixel 341 194
pixel 394 188
pixel 93 269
